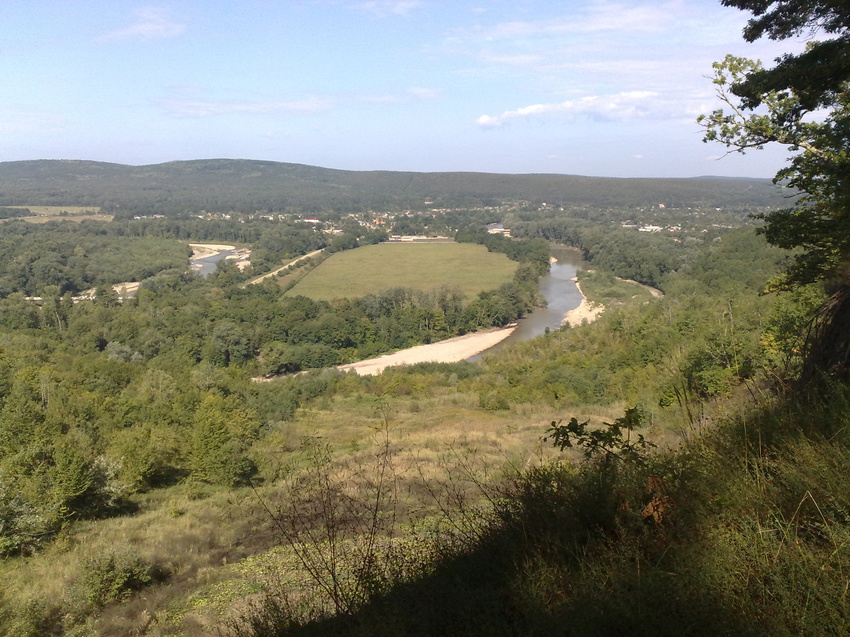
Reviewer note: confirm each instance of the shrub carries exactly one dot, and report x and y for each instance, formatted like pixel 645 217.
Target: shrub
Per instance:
pixel 111 578
pixel 32 618
pixel 493 401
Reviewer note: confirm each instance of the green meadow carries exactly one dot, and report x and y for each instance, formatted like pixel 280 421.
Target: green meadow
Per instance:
pixel 421 266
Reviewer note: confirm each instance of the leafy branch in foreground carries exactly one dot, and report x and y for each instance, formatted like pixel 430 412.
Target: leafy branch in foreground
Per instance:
pixel 818 220
pixel 611 441
pixel 802 102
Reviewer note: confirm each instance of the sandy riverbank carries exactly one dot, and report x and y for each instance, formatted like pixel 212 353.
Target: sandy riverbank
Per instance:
pixel 460 348
pixel 586 312
pixel 204 250
pixel 452 350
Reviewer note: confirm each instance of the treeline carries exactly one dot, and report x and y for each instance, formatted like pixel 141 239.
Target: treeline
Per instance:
pixel 534 252
pixel 270 241
pixel 652 258
pixel 12 213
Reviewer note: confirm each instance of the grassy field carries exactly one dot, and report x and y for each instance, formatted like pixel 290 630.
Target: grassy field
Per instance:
pixel 422 266
pixel 55 211
pixel 43 214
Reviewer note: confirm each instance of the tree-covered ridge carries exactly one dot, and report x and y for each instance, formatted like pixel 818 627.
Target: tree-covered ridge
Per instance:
pixel 249 186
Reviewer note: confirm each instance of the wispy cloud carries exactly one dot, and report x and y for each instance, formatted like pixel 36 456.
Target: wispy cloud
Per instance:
pixel 422 93
pixel 596 17
pixel 151 23
pixel 382 8
pixel 621 106
pixel 412 93
pixel 207 108
pixel 19 118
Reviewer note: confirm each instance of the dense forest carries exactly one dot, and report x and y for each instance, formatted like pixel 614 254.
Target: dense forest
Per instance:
pixel 221 185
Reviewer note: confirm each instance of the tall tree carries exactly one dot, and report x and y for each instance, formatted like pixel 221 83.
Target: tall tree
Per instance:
pixel 802 102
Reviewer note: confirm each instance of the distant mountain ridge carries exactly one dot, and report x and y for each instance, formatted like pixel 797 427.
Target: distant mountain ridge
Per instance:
pixel 250 185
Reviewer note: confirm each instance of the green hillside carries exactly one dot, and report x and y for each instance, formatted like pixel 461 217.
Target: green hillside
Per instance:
pixel 248 186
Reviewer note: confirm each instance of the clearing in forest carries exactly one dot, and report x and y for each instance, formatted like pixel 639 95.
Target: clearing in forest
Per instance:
pixel 421 266
pixel 43 214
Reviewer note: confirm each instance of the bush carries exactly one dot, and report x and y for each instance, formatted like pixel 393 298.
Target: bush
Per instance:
pixel 493 401
pixel 32 618
pixel 112 578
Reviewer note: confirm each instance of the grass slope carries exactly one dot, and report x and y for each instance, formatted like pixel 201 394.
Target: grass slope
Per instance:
pixel 744 530
pixel 421 266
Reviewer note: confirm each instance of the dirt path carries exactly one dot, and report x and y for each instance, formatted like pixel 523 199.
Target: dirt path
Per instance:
pixel 655 292
pixel 284 267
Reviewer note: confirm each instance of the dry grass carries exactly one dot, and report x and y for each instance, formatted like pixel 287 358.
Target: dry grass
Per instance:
pixel 54 211
pixel 217 546
pixel 43 214
pixel 192 538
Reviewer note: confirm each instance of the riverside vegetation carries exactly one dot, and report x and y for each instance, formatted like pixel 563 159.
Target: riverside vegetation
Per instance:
pixel 149 485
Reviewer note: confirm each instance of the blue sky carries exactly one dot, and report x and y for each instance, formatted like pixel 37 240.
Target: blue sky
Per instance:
pixel 594 87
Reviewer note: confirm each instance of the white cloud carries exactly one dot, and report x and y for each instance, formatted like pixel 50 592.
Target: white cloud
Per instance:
pixel 206 108
pixel 511 59
pixel 381 99
pixel 616 16
pixel 151 23
pixel 621 106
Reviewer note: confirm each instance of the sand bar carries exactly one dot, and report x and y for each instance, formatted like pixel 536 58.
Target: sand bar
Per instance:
pixel 204 250
pixel 586 312
pixel 451 350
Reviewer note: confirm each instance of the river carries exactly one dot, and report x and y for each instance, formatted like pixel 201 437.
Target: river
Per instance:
pixel 559 289
pixel 557 286
pixel 205 266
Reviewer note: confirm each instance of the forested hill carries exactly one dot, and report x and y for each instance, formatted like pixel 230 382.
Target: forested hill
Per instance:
pixel 249 186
